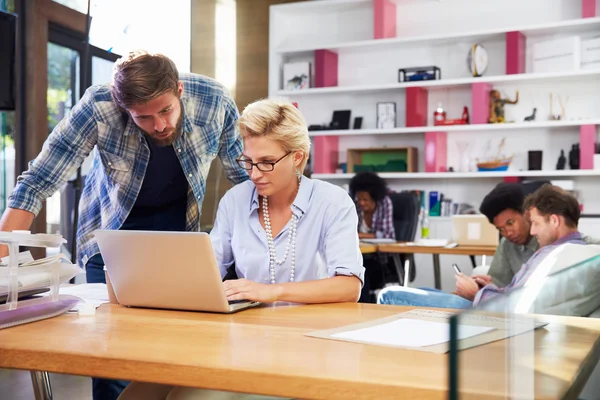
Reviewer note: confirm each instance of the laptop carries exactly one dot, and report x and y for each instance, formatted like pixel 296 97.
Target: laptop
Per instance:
pixel 167 270
pixel 474 230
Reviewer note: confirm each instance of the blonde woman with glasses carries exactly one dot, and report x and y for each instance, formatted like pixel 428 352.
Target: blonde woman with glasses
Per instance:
pixel 288 237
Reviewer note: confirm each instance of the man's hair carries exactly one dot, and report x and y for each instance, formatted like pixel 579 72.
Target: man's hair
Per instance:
pixel 277 120
pixel 550 200
pixel 140 77
pixel 505 196
pixel 368 182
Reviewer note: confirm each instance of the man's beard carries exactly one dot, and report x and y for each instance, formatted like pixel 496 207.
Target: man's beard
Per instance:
pixel 169 140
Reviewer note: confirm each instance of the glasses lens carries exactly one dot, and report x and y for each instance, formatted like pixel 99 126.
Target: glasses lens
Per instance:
pixel 245 164
pixel 265 167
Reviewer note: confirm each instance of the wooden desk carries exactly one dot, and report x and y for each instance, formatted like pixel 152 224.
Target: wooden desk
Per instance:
pixel 401 248
pixel 264 351
pixel 367 248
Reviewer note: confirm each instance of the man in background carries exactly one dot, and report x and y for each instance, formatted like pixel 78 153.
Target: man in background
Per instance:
pixel 554 215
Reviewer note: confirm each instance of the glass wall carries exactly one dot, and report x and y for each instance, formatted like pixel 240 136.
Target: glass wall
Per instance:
pixel 152 25
pixel 63 93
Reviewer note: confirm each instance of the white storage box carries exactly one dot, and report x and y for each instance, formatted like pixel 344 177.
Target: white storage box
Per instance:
pixel 557 55
pixel 590 53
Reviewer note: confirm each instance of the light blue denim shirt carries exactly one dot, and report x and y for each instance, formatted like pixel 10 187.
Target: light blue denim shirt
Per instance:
pixel 326 237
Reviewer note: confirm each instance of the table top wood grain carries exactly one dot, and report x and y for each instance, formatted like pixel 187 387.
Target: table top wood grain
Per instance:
pixel 265 351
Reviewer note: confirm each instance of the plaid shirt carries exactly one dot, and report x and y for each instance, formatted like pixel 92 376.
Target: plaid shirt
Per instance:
pixel 521 277
pixel 120 157
pixel 383 219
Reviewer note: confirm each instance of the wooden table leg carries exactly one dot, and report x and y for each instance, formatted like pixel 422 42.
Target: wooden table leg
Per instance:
pixel 41 385
pixel 436 272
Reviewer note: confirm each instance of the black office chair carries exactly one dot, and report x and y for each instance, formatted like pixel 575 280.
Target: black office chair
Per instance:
pixel 406 219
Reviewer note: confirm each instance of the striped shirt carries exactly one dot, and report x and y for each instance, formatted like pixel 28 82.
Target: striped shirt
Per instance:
pixel 120 157
pixel 521 277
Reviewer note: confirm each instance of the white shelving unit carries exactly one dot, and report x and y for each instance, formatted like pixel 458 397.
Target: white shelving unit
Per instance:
pixel 441 33
pixel 468 175
pixel 563 77
pixel 578 26
pixel 508 128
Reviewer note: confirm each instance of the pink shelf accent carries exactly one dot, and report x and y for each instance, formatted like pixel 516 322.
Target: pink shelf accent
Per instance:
pixel 326 68
pixel 516 44
pixel 588 8
pixel 416 106
pixel 480 103
pixel 436 144
pixel 384 19
pixel 512 179
pixel 325 154
pixel 587 145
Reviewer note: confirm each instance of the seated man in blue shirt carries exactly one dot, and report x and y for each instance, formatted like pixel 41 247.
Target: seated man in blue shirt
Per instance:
pixel 554 215
pixel 154 133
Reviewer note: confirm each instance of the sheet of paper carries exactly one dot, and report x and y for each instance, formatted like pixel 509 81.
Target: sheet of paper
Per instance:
pixel 91 293
pixel 410 333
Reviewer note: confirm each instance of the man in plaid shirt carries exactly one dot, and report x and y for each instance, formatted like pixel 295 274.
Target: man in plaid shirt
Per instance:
pixel 153 133
pixel 554 214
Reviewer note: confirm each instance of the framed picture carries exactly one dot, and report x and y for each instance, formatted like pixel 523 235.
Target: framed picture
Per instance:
pixel 296 76
pixel 386 115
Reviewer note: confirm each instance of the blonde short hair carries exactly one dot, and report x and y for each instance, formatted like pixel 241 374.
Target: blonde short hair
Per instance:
pixel 139 77
pixel 277 120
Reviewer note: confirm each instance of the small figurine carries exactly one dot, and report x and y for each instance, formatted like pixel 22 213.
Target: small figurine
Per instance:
pixel 497 106
pixel 562 160
pixel 532 116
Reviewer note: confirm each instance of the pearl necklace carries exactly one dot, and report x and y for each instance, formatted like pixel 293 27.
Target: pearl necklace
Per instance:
pixel 291 243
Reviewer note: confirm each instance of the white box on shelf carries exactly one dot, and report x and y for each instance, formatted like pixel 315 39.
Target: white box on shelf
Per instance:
pixel 590 53
pixel 557 55
pixel 597 162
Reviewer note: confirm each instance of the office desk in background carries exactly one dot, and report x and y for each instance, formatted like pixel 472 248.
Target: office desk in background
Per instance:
pixel 367 248
pixel 402 248
pixel 264 350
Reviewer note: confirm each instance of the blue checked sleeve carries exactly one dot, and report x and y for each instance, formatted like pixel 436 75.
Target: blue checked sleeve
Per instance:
pixel 63 152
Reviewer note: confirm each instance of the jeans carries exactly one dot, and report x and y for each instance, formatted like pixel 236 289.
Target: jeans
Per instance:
pixel 422 297
pixel 102 389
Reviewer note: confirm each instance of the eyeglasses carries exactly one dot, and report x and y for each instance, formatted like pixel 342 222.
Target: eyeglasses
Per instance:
pixel 262 166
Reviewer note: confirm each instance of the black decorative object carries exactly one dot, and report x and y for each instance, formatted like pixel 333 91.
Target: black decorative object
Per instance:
pixel 535 160
pixel 413 74
pixel 340 119
pixel 574 157
pixel 562 160
pixel 357 123
pixel 532 116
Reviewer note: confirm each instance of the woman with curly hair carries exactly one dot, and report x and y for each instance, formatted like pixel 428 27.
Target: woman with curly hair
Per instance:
pixel 375 211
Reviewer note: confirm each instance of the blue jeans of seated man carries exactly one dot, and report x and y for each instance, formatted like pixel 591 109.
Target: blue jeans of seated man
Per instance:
pixel 433 298
pixel 102 389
